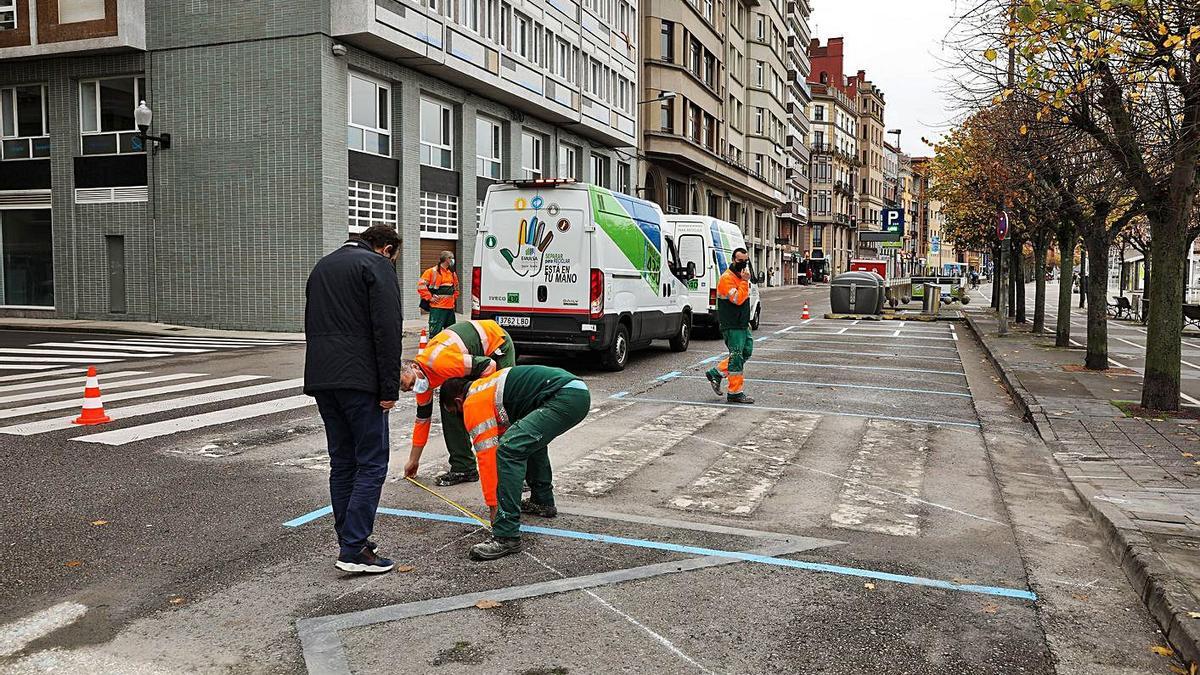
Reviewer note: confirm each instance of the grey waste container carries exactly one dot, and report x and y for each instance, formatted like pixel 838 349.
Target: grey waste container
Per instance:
pixel 931 301
pixel 882 293
pixel 856 293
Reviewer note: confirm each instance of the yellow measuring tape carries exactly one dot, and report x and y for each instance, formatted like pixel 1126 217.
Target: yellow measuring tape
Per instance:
pixel 458 507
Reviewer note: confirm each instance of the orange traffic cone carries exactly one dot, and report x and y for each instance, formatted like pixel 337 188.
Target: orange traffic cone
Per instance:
pixel 93 408
pixel 805 314
pixel 423 340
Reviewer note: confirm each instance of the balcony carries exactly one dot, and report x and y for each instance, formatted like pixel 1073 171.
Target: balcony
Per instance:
pixel 94 27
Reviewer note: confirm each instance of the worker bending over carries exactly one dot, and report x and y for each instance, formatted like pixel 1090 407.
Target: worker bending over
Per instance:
pixel 470 350
pixel 512 416
pixel 733 317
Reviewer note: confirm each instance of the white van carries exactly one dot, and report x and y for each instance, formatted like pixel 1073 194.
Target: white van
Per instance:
pixel 719 239
pixel 571 267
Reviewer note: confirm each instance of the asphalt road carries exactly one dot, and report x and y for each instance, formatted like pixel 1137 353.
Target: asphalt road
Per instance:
pixel 881 509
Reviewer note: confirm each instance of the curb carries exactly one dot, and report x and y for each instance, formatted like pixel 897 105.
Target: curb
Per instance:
pixel 1164 597
pixel 157 330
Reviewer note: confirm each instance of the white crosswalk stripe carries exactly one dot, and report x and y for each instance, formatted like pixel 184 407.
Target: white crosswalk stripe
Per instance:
pixel 20 366
pixel 77 352
pixel 42 371
pixel 599 471
pixel 78 380
pixel 75 384
pixel 891 455
pixel 100 345
pixel 52 355
pixel 35 409
pixel 25 361
pixel 174 426
pixel 738 482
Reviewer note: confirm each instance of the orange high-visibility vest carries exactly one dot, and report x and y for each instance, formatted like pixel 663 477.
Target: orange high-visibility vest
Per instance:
pixel 439 287
pixel 446 357
pixel 486 422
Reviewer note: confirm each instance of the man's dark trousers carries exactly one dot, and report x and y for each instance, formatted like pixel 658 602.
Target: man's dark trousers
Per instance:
pixel 356 429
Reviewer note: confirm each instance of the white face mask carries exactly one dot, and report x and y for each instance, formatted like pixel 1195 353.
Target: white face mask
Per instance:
pixel 420 385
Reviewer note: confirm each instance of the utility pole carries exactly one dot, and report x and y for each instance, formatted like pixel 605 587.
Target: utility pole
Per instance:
pixel 1002 313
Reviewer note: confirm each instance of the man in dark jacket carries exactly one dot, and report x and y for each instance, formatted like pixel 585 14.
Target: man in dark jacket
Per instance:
pixel 352 324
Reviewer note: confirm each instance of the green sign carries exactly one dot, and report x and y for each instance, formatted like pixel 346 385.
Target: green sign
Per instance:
pixel 514 298
pixel 891 244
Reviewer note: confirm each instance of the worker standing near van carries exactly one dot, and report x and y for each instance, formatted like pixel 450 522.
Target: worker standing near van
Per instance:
pixel 470 350
pixel 733 317
pixel 438 289
pixel 512 416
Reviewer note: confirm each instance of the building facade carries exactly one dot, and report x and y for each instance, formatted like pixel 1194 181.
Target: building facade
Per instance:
pixel 291 128
pixel 871 177
pixel 714 117
pixel 834 163
pixel 794 230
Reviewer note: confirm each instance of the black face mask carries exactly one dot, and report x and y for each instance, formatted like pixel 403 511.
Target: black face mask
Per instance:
pixel 738 266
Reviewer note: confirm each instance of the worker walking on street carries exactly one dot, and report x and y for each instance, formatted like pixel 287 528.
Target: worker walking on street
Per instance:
pixel 733 316
pixel 439 289
pixel 470 350
pixel 512 416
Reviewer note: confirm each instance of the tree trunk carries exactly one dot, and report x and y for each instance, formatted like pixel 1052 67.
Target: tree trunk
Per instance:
pixel 1097 305
pixel 1014 259
pixel 1020 282
pixel 1066 265
pixel 1168 251
pixel 1083 275
pixel 997 251
pixel 1039 285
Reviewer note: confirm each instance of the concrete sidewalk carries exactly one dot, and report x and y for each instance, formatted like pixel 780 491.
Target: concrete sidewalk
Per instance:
pixel 1139 477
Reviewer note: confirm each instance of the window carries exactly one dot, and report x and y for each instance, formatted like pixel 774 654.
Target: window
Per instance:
pixel 468 14
pixel 531 155
pixel 759 67
pixel 695 57
pixel 439 216
pixel 818 140
pixel 520 38
pixel 568 161
pixel 735 212
pixel 710 70
pixel 371 204
pixel 818 113
pixel 437 134
pixel 25 128
pixel 369 116
pixel 489 138
pixel 708 9
pixel 666 47
pixel 714 206
pixel 759 114
pixel 505 24
pixel 758 165
pixel 818 236
pixel 760 31
pixel 693 122
pixel 106 115
pixel 8 14
pixel 624 178
pixel 600 165
pixel 74 11
pixel 674 196
pixel 666 121
pixel 710 132
pixel 28 258
pixel 562 61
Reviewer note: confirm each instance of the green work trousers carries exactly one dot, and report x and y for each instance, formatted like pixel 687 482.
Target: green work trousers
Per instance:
pixel 439 319
pixel 740 343
pixel 454 432
pixel 524 455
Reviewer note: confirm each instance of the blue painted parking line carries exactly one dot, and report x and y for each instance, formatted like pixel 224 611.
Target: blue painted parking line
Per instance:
pixel 713 359
pixel 664 378
pixel 834 385
pixel 702 551
pixel 309 517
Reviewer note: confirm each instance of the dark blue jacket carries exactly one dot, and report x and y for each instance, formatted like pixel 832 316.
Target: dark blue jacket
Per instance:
pixel 352 323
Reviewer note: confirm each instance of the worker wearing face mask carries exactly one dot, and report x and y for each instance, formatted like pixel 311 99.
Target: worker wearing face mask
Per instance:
pixel 471 349
pixel 439 289
pixel 733 316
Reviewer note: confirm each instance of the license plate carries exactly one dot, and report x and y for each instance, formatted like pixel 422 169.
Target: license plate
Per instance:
pixel 514 321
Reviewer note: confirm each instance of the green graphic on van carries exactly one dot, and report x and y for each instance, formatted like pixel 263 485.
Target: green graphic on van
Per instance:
pixel 514 298
pixel 635 228
pixel 533 238
pixel 693 284
pixel 490 241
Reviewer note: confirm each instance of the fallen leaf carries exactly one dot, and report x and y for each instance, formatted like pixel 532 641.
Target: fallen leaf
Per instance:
pixel 176 600
pixel 98 523
pixel 73 563
pixel 487 604
pixel 1079 596
pixel 991 607
pixel 405 568
pixel 869 586
pixel 1188 454
pixel 1162 651
pixel 1179 671
pixel 1194 615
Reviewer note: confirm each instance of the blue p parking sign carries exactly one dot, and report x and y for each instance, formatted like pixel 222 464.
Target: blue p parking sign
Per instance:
pixel 893 220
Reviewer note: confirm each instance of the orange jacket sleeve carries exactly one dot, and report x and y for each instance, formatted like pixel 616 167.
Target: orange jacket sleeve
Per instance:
pixel 423 285
pixel 420 433
pixel 457 287
pixel 733 288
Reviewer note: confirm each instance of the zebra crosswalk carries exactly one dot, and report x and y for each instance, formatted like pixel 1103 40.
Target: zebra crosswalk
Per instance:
pixel 70 356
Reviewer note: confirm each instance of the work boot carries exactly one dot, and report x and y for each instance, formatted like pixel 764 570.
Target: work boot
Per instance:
pixel 541 510
pixel 739 398
pixel 496 547
pixel 714 378
pixel 455 477
pixel 364 562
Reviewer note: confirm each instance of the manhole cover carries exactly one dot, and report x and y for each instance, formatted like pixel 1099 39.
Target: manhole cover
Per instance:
pixel 1185 544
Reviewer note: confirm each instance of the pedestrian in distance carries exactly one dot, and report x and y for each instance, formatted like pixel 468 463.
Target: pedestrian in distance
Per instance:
pixel 470 350
pixel 352 328
pixel 733 318
pixel 513 415
pixel 438 289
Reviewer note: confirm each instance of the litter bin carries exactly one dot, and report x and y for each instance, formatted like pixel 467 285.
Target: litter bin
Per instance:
pixel 931 299
pixel 856 293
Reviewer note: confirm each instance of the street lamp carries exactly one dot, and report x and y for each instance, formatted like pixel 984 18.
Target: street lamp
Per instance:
pixel 897 132
pixel 662 96
pixel 143 115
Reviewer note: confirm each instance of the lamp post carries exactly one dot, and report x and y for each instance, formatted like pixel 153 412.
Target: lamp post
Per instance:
pixel 662 96
pixel 143 115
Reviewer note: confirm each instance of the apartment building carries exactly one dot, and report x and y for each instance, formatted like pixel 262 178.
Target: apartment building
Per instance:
pixel 794 231
pixel 834 164
pixel 289 130
pixel 872 181
pixel 714 115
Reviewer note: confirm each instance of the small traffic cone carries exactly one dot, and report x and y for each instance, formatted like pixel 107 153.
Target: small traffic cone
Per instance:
pixel 805 314
pixel 423 340
pixel 93 407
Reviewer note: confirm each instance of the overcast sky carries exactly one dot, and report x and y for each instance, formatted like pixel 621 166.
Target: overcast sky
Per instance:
pixel 898 43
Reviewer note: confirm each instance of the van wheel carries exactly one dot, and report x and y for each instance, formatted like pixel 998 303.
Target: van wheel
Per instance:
pixel 618 352
pixel 754 321
pixel 680 342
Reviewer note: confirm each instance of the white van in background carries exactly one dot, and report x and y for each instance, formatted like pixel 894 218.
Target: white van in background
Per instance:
pixel 568 267
pixel 720 239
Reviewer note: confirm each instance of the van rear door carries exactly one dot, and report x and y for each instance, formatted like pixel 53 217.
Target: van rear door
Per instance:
pixel 507 259
pixel 562 285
